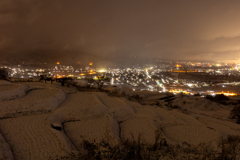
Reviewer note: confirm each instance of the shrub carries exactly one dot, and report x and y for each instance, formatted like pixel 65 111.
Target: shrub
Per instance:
pixel 209 97
pixel 126 149
pixel 197 94
pixel 138 150
pixel 3 73
pixel 235 114
pixel 219 98
pixel 113 93
pixel 136 96
pixel 229 148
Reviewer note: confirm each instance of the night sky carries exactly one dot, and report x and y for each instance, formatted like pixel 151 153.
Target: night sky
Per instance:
pixel 167 29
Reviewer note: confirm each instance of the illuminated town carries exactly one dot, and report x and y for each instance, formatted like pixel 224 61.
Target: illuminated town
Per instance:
pixel 174 77
pixel 120 80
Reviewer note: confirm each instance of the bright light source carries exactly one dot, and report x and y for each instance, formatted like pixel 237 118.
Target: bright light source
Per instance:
pixel 102 70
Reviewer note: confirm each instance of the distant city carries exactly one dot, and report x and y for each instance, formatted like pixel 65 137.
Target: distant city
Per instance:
pixel 164 76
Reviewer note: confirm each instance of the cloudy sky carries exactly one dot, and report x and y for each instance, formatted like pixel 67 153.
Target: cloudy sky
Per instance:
pixel 164 29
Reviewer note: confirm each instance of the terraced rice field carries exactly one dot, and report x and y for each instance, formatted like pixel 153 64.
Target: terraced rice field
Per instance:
pixel 25 122
pixel 94 130
pixel 191 134
pixel 7 87
pixel 80 106
pixel 118 109
pixel 110 102
pixel 35 95
pixel 30 138
pixel 5 150
pixel 35 102
pixel 135 127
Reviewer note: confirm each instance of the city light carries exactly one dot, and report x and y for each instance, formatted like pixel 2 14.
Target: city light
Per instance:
pixel 102 70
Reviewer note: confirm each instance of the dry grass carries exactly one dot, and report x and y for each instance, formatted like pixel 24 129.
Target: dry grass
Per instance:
pixel 140 150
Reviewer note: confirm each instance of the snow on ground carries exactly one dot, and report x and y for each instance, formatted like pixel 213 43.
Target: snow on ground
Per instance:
pixel 178 127
pixel 93 130
pixel 80 106
pixel 11 91
pixel 5 150
pixel 29 137
pixel 42 120
pixel 35 102
pixel 3 82
pixel 138 126
pixel 224 128
pixel 117 108
pixel 7 87
pixel 191 134
pixel 195 102
pixel 80 113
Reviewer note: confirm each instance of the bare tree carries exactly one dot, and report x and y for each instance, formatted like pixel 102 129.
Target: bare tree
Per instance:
pixel 41 77
pixel 90 81
pixel 46 78
pixel 99 81
pixel 65 80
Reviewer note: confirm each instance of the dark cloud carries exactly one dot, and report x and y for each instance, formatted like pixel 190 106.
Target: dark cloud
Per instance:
pixel 173 30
